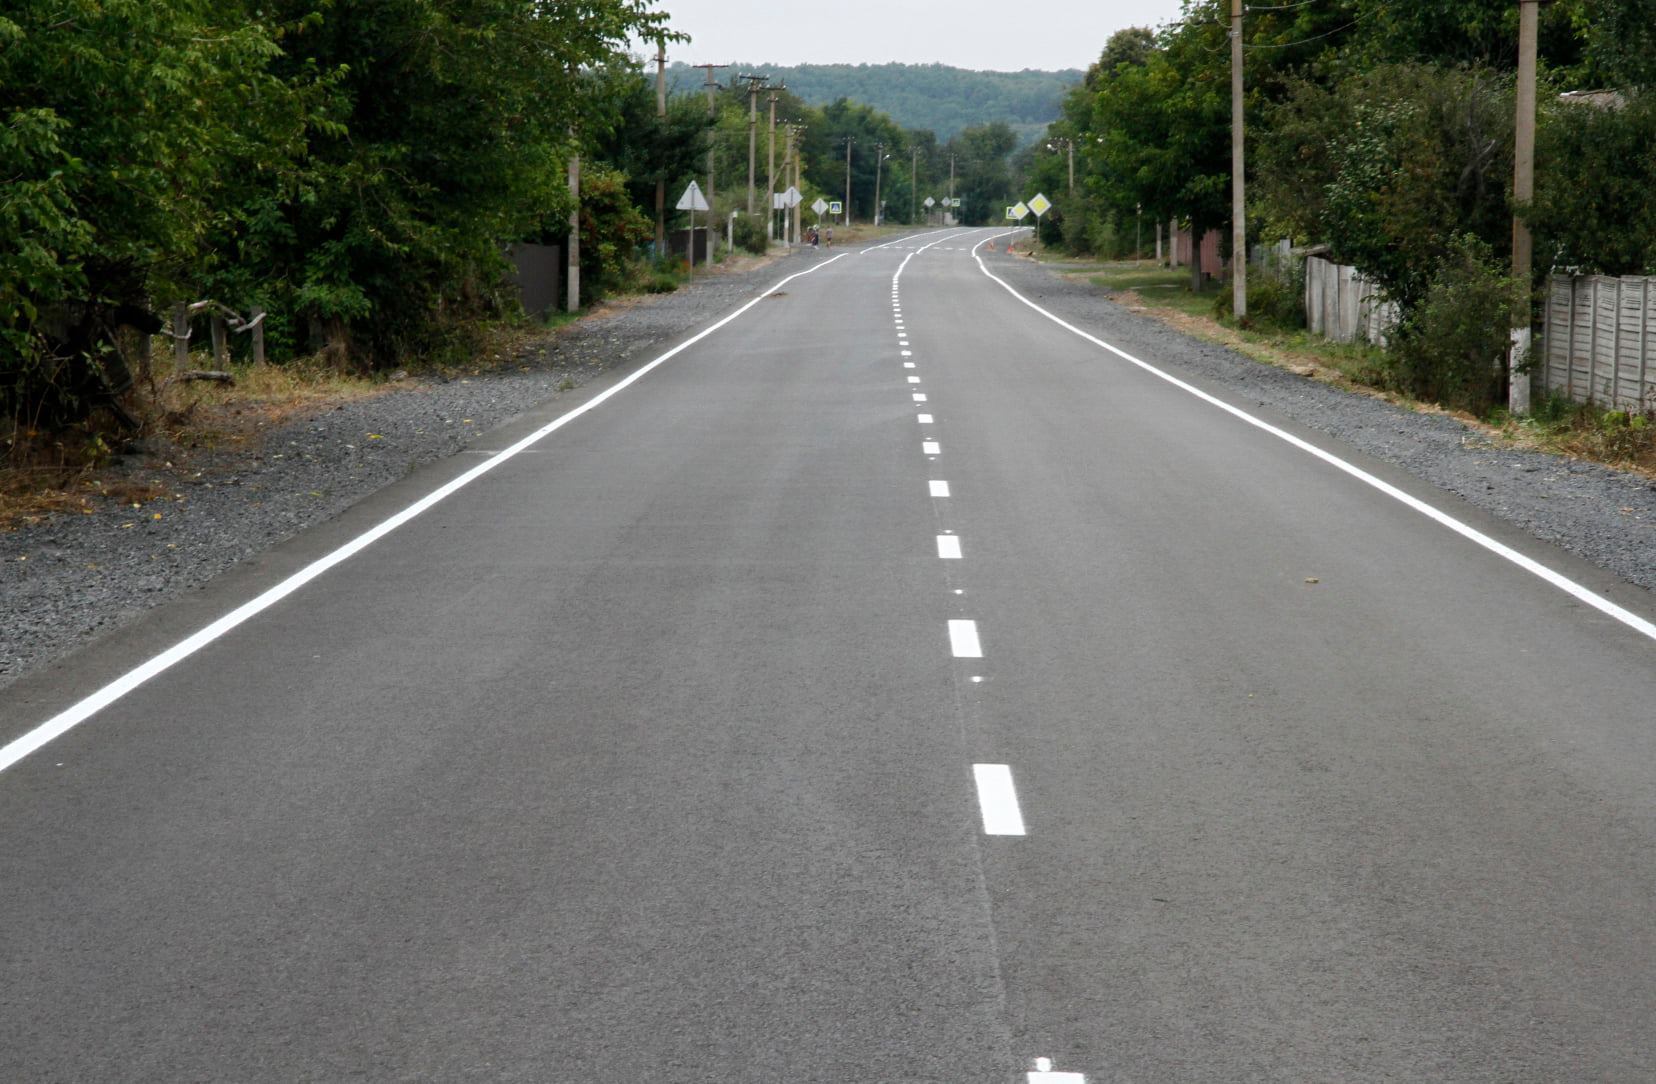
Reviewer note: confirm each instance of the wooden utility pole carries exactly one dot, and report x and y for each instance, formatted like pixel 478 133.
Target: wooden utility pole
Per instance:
pixel 661 182
pixel 1523 190
pixel 1239 204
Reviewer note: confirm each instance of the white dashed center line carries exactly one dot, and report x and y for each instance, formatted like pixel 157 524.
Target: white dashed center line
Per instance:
pixel 914 380
pixel 938 489
pixel 998 800
pixel 948 547
pixel 923 419
pixel 931 447
pixel 963 639
pixel 919 397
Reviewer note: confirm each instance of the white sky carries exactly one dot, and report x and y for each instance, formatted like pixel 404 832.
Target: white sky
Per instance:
pixel 1006 36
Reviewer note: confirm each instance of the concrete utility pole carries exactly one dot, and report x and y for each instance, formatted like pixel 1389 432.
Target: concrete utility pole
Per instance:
pixel 753 82
pixel 770 172
pixel 1523 190
pixel 573 272
pixel 1239 205
pixel 661 182
pixel 879 168
pixel 798 143
pixel 847 217
pixel 914 183
pixel 950 211
pixel 712 116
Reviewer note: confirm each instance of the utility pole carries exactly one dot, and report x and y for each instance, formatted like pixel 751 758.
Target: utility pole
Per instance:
pixel 753 82
pixel 712 116
pixel 770 174
pixel 1523 191
pixel 950 211
pixel 661 182
pixel 914 184
pixel 1239 205
pixel 879 167
pixel 847 217
pixel 573 271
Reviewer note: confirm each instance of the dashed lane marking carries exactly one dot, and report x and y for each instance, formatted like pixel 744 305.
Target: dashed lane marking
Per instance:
pixel 948 547
pixel 998 801
pixel 963 639
pixel 931 447
pixel 938 488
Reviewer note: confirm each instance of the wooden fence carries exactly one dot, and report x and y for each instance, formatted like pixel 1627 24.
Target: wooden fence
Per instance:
pixel 1344 306
pixel 1599 340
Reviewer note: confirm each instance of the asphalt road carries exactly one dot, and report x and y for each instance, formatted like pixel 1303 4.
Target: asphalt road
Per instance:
pixel 767 723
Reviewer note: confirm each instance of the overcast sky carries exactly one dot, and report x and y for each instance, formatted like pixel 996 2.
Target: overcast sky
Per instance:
pixel 1005 36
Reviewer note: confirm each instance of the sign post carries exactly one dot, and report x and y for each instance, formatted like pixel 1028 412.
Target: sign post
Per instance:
pixel 1040 205
pixel 693 201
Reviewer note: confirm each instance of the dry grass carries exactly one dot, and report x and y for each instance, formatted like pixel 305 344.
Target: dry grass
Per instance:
pixel 80 470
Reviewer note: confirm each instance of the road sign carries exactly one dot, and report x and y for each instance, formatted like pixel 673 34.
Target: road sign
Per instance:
pixel 1009 213
pixel 791 198
pixel 1040 205
pixel 930 203
pixel 835 207
pixel 692 200
pixel 819 206
pixel 1017 211
pixel 955 202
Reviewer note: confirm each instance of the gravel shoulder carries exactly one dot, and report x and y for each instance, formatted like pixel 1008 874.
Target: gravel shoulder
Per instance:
pixel 1602 515
pixel 75 577
pixel 72 578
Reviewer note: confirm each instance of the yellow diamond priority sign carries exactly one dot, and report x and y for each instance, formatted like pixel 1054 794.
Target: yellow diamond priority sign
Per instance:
pixel 1040 205
pixel 1017 211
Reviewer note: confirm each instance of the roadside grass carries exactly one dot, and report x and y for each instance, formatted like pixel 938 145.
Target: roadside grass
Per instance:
pixel 1556 425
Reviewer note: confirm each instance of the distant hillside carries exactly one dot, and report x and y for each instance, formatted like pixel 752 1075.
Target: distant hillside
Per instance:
pixel 933 96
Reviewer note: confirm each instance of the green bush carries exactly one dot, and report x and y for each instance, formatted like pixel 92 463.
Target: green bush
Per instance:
pixel 750 235
pixel 1276 298
pixel 1452 347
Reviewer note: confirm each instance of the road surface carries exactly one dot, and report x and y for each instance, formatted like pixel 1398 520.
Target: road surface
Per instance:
pixel 890 685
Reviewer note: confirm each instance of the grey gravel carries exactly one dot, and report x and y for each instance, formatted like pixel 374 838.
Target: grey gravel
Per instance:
pixel 73 577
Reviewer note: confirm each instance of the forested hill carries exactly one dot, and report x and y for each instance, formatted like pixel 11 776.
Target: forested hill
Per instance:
pixel 933 96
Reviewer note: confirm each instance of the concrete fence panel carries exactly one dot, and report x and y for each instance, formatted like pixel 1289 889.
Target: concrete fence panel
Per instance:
pixel 1599 340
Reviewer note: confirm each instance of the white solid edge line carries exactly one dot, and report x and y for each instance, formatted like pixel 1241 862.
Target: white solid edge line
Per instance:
pixel 963 639
pixel 1465 530
pixel 998 800
pixel 79 712
pixel 948 547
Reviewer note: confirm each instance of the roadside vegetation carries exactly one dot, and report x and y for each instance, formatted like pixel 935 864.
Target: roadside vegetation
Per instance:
pixel 1381 134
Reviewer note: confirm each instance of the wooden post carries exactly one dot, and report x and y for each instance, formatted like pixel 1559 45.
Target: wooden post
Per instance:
pixel 181 335
pixel 258 336
pixel 221 348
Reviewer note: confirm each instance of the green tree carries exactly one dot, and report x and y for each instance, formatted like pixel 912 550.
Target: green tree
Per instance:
pixel 116 130
pixel 1597 167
